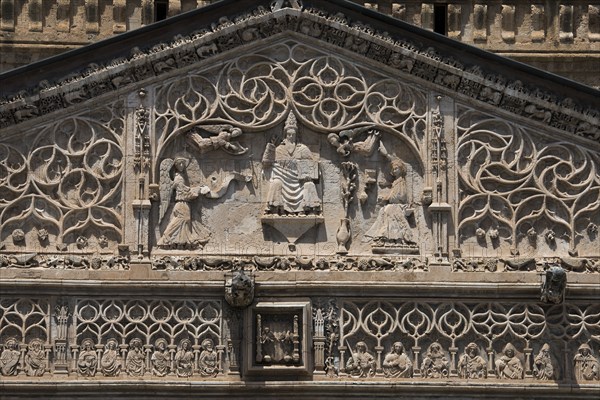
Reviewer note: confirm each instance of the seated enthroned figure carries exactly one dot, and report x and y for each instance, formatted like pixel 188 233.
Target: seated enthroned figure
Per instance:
pixel 292 189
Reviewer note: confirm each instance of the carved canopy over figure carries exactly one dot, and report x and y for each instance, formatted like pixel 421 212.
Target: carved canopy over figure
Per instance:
pixel 110 363
pixel 391 226
pixel 35 359
pixel 587 367
pixel 509 366
pixel 471 365
pixel 396 363
pixel 182 231
pixel 87 362
pixel 293 172
pixel 361 363
pixel 9 360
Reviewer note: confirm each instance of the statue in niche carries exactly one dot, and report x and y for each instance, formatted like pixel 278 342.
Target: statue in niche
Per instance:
pixel 9 360
pixel 221 139
pixel 362 363
pixel 134 363
pixel 508 366
pixel 435 364
pixel 471 365
pixel 182 232
pixel 396 363
pixel 587 367
pixel 87 362
pixel 110 364
pixel 267 341
pixel 35 359
pixel 542 364
pixel 208 360
pixel 391 227
pixel 184 359
pixel 293 173
pixel 160 358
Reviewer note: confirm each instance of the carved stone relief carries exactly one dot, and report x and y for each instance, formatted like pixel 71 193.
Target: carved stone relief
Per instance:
pixel 523 195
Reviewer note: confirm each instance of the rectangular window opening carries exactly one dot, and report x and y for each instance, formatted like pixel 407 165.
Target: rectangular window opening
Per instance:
pixel 161 9
pixel 440 18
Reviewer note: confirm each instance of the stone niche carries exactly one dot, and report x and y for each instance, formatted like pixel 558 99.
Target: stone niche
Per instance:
pixel 278 338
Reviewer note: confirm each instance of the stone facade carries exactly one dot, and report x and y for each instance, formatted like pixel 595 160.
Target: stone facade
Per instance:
pixel 562 37
pixel 304 193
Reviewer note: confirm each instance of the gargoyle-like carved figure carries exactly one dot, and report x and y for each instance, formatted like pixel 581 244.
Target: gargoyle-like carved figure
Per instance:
pixel 239 290
pixel 9 360
pixel 134 363
pixel 221 139
pixel 508 366
pixel 208 361
pixel 362 363
pixel 35 359
pixel 587 367
pixel 182 232
pixel 184 359
pixel 87 362
pixel 435 364
pixel 293 173
pixel 542 364
pixel 345 145
pixel 471 365
pixel 396 363
pixel 553 288
pixel 161 361
pixel 110 363
pixel 391 227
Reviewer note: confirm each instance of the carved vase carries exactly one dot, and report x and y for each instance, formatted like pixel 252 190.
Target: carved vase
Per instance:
pixel 343 236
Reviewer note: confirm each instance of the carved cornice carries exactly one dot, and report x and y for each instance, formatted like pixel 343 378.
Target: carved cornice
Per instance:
pixel 420 61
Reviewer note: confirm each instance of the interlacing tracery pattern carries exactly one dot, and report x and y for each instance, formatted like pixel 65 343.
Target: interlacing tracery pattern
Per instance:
pixel 527 192
pixel 328 94
pixel 67 187
pixel 454 325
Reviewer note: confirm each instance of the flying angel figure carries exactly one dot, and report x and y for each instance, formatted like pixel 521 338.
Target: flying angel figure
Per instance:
pixel 182 232
pixel 221 138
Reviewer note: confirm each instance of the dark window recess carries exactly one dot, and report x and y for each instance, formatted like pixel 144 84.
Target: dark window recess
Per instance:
pixel 161 9
pixel 440 16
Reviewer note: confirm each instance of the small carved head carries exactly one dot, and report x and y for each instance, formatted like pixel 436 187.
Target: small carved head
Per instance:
pixel 361 347
pixel 398 348
pixel 186 344
pixel 585 349
pixel 87 344
pixel 102 240
pixel 11 344
pixel 111 344
pixel 480 232
pixel 135 344
pixel 509 350
pixel 208 344
pixel 472 350
pixel 398 168
pixel 550 236
pixel 494 233
pixel 18 235
pixel 160 344
pixel 81 242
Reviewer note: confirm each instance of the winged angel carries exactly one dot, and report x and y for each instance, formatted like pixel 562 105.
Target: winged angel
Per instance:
pixel 182 231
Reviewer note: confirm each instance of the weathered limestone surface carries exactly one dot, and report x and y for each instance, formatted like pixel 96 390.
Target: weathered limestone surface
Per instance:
pixel 309 200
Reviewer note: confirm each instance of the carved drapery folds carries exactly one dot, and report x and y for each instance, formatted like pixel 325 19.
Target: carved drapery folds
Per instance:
pixel 522 194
